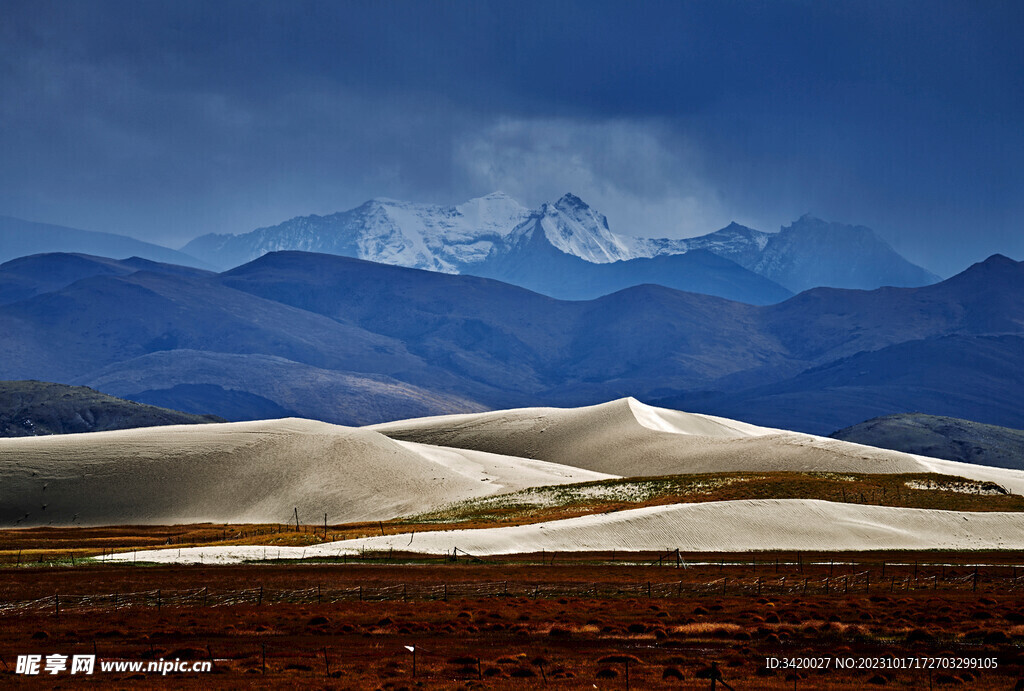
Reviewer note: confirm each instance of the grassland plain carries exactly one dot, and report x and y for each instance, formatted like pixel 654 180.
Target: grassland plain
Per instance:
pixel 566 625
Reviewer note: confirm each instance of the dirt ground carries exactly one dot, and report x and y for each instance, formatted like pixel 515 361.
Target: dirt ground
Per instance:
pixel 584 623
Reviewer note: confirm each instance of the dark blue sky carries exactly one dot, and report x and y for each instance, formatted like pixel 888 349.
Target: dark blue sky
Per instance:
pixel 169 120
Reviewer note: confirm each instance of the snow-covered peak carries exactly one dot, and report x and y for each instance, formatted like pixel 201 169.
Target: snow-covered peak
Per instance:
pixel 435 237
pixel 571 226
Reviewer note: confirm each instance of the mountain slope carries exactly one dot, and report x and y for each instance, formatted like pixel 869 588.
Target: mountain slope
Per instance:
pixel 806 254
pixel 517 343
pixel 531 257
pixel 257 387
pixel 36 274
pixel 422 236
pixel 941 437
pixel 32 408
pixel 449 343
pixel 975 377
pixel 105 319
pixel 811 252
pixel 573 228
pixel 19 238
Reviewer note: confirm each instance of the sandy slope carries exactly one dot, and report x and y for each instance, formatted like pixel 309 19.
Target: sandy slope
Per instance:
pixel 629 438
pixel 749 525
pixel 246 472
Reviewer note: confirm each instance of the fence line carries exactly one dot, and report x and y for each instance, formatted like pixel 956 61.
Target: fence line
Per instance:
pixel 837 585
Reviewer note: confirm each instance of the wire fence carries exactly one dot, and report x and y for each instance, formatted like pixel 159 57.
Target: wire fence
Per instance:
pixel 861 582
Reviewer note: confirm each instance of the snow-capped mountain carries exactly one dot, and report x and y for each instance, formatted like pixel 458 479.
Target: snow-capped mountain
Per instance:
pixel 488 235
pixel 420 236
pixel 573 228
pixel 741 244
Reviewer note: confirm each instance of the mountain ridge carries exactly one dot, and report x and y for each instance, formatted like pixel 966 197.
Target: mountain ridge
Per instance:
pixel 347 331
pixel 483 235
pixel 32 408
pixel 19 238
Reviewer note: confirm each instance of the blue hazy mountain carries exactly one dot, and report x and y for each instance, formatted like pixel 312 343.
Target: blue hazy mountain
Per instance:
pixel 372 341
pixel 809 253
pixel 26 277
pixel 973 377
pixel 19 238
pixel 951 438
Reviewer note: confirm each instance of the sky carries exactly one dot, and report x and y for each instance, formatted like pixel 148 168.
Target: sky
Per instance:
pixel 168 120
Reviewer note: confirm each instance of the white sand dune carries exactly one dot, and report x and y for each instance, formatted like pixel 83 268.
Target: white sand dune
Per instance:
pixel 1009 479
pixel 247 472
pixel 629 438
pixel 733 526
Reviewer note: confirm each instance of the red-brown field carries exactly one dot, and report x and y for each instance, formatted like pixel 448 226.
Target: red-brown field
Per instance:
pixel 571 624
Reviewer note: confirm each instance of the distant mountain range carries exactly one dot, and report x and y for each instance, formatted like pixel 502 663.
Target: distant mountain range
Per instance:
pixel 19 238
pixel 567 250
pixel 564 249
pixel 33 408
pixel 354 342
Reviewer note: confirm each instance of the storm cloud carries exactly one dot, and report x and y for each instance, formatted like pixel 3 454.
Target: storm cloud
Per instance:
pixel 168 120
